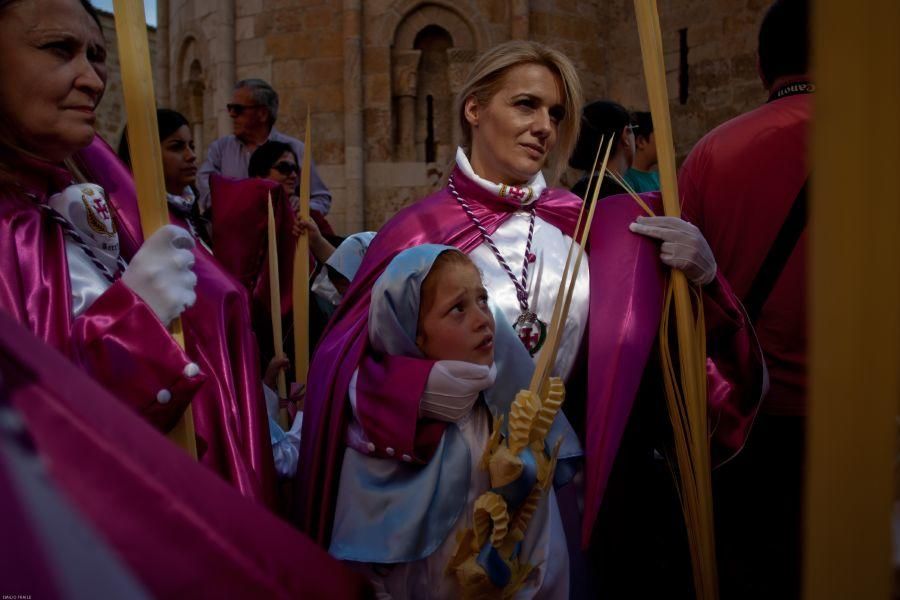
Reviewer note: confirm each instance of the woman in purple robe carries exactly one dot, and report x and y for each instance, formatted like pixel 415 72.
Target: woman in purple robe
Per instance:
pixel 61 273
pixel 518 112
pixel 229 409
pixel 71 317
pixel 75 271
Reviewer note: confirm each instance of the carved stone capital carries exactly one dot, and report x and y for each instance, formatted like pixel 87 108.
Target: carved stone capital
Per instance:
pixel 460 62
pixel 404 70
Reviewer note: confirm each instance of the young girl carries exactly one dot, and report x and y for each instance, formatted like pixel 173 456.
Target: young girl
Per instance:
pixel 398 517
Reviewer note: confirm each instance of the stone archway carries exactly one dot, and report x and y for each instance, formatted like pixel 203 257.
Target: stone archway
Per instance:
pixel 434 101
pixel 190 89
pixel 433 49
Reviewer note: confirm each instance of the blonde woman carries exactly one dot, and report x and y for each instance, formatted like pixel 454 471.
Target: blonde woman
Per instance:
pixel 519 114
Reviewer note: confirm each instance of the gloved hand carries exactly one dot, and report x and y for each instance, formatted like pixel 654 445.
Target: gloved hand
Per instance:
pixel 286 446
pixel 323 287
pixel 683 246
pixel 452 389
pixel 160 273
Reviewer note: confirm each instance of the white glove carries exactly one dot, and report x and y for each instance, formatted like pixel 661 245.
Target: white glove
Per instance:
pixel 683 247
pixel 160 273
pixel 324 288
pixel 452 389
pixel 272 402
pixel 286 446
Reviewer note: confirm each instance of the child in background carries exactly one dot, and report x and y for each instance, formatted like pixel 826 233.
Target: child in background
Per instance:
pixel 397 517
pixel 285 443
pixel 329 285
pixel 641 176
pixel 338 270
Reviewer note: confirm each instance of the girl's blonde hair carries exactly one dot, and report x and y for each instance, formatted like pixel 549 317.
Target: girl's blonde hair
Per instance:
pixel 487 76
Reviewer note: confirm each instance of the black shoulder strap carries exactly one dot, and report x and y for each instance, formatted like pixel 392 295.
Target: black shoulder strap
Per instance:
pixel 778 255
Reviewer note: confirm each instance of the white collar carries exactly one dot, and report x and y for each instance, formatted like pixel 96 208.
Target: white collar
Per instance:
pixel 526 194
pixel 184 202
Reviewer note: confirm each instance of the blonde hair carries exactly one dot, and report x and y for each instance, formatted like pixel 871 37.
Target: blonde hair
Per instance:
pixel 486 79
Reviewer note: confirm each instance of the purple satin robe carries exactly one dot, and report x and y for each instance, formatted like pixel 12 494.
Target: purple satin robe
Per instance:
pixel 229 409
pixel 118 340
pixel 181 530
pixel 241 236
pixel 627 284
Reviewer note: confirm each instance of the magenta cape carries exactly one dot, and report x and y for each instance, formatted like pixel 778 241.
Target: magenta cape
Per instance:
pixel 229 409
pixel 627 284
pixel 240 236
pixel 181 530
pixel 118 340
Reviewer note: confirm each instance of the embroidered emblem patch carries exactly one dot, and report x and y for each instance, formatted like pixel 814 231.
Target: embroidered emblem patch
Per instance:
pixel 521 195
pixel 97 212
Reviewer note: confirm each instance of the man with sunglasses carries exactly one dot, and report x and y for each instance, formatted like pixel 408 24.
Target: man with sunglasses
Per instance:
pixel 253 111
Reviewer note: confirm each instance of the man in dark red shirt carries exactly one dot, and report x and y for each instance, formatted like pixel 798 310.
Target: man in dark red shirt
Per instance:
pixel 739 185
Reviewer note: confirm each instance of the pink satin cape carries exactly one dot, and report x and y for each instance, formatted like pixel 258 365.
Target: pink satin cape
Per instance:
pixel 229 409
pixel 240 236
pixel 627 284
pixel 119 341
pixel 26 565
pixel 181 530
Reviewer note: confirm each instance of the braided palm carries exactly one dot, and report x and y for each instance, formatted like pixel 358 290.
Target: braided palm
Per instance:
pixel 549 407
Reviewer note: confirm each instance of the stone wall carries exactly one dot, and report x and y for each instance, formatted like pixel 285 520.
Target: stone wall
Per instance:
pixel 721 58
pixel 298 47
pixel 111 110
pixel 371 143
pixel 200 72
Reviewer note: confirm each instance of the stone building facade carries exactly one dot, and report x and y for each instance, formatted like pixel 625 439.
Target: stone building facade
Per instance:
pixel 111 110
pixel 379 76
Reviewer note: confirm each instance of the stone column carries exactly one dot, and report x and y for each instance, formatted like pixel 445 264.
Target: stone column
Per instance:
pixel 459 64
pixel 404 80
pixel 223 66
pixel 163 91
pixel 354 159
pixel 519 22
pixel 195 113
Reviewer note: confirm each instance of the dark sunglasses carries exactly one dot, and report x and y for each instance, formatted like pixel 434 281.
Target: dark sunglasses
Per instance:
pixel 238 109
pixel 286 168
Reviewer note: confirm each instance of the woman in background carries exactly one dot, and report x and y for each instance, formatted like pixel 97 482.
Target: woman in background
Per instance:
pixel 230 414
pixel 277 162
pixel 179 170
pixel 601 121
